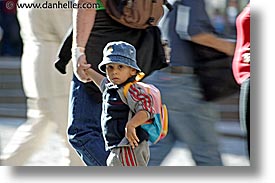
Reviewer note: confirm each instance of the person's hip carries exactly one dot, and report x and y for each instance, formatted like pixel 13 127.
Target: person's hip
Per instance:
pixel 179 70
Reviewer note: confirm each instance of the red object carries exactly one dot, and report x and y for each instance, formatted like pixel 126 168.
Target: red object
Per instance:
pixel 9 6
pixel 241 68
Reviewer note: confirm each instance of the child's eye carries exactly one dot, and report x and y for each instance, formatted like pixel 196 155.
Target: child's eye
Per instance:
pixel 120 66
pixel 110 67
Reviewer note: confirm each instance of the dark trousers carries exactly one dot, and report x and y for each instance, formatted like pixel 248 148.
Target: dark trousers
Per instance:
pixel 245 110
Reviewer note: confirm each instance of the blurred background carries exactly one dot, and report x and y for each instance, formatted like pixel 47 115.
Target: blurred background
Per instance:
pixel 223 14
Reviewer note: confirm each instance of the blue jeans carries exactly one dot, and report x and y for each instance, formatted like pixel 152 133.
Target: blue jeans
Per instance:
pixel 84 131
pixel 191 119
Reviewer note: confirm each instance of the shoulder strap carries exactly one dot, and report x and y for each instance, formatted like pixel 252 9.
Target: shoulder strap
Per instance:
pixel 168 5
pixel 126 88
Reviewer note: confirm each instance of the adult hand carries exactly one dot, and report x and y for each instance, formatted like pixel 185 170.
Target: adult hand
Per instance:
pixel 80 65
pixel 211 40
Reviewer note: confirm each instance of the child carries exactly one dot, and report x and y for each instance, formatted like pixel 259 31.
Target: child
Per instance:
pixel 119 63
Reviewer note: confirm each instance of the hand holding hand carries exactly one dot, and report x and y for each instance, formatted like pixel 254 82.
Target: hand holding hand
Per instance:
pixel 80 64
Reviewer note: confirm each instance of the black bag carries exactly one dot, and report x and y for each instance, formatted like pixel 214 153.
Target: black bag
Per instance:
pixel 152 40
pixel 214 70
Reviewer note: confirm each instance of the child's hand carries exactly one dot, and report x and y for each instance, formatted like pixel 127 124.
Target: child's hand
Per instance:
pixel 130 133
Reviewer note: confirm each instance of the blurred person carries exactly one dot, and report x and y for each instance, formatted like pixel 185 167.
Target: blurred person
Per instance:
pixel 218 22
pixel 241 69
pixel 191 119
pixel 47 91
pixel 11 42
pixel 231 14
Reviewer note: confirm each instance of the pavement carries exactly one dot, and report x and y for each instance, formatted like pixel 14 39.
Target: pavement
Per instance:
pixel 52 153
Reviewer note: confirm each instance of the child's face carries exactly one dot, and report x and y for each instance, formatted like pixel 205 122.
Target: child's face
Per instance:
pixel 119 73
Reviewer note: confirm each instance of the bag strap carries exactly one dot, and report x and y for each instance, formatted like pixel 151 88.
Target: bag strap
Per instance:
pixel 126 88
pixel 168 5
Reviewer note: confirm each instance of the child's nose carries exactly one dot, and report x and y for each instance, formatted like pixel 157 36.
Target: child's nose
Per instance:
pixel 115 71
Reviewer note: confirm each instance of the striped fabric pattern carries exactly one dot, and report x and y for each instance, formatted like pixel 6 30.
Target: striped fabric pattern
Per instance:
pixel 144 98
pixel 127 157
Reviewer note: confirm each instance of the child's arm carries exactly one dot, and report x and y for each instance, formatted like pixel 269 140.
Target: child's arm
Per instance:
pixel 138 119
pixel 95 76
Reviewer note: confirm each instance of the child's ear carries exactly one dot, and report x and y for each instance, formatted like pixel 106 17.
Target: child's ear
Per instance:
pixel 133 72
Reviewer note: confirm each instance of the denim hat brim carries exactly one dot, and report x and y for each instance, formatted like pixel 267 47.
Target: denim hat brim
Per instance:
pixel 117 59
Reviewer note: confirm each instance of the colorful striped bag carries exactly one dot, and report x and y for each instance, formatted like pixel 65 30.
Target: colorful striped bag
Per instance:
pixel 157 128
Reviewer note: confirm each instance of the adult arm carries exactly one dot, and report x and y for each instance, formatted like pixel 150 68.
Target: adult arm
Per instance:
pixel 83 21
pixel 211 40
pixel 200 29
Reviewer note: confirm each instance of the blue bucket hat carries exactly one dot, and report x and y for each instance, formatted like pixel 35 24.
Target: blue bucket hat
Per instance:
pixel 119 52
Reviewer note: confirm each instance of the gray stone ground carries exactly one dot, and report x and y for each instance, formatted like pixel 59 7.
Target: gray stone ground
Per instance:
pixel 53 153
